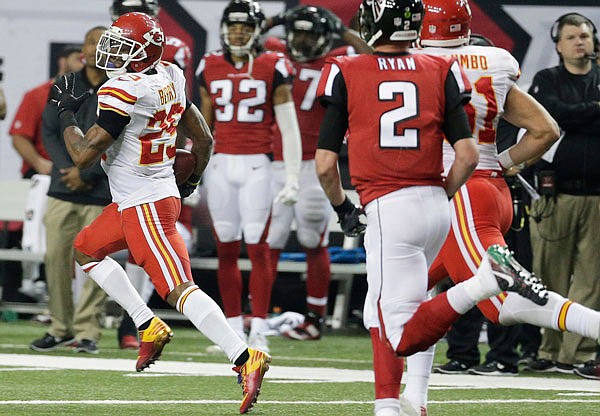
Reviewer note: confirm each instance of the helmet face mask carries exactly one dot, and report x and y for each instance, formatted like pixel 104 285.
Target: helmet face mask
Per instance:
pixel 120 7
pixel 308 34
pixel 134 43
pixel 390 20
pixel 447 23
pixel 245 12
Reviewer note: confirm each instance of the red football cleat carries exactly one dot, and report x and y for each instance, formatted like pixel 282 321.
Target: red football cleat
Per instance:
pixel 152 341
pixel 250 376
pixel 129 342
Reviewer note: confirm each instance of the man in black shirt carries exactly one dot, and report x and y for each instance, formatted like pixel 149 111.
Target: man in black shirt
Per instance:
pixel 564 223
pixel 75 198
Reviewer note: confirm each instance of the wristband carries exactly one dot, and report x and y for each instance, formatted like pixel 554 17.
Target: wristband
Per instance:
pixel 505 160
pixel 345 206
pixel 67 119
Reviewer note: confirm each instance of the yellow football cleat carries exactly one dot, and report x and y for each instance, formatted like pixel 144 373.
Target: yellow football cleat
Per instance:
pixel 250 376
pixel 152 341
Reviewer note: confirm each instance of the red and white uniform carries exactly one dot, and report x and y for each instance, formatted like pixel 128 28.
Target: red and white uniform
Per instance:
pixel 312 211
pixel 482 208
pixel 146 201
pixel 396 109
pixel 238 178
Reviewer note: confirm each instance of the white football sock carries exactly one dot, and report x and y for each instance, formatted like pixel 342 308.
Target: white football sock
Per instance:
pixel 111 277
pixel 416 377
pixel 237 324
pixel 559 314
pixel 136 275
pixel 387 407
pixel 206 315
pixel 470 292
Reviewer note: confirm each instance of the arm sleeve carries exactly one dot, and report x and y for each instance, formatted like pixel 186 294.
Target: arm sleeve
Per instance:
pixel 456 123
pixel 545 88
pixel 112 122
pixel 333 129
pixel 334 96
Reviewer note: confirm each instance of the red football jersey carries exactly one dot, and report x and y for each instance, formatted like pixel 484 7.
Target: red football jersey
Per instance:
pixel 396 107
pixel 310 113
pixel 243 101
pixel 28 119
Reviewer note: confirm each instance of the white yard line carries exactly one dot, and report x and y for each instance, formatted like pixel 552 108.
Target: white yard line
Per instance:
pixel 278 372
pixel 263 402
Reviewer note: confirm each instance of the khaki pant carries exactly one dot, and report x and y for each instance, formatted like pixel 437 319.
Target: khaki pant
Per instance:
pixel 566 256
pixel 63 221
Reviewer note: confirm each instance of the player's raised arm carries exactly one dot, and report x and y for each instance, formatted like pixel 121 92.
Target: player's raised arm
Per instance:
pixel 83 149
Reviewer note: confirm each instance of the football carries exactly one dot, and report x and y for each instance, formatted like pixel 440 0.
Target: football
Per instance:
pixel 185 163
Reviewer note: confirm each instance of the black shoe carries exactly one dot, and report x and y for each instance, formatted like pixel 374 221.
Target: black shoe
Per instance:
pixel 494 368
pixel 564 368
pixel 49 343
pixel 527 358
pixel 452 367
pixel 542 366
pixel 589 370
pixel 87 345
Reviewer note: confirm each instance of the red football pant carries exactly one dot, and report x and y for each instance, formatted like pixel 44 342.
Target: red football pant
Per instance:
pixel 148 231
pixel 481 216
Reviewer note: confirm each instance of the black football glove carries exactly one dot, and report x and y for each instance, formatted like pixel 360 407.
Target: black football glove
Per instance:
pixel 335 23
pixel 188 187
pixel 63 94
pixel 349 218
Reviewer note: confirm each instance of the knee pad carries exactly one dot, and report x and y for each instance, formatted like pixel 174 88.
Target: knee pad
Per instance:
pixel 226 232
pixel 253 233
pixel 308 238
pixel 278 236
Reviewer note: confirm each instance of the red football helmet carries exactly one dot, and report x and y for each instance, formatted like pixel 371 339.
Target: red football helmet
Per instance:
pixel 446 23
pixel 134 43
pixel 177 52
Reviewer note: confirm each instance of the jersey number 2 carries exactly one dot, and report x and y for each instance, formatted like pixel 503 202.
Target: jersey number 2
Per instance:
pixel 390 120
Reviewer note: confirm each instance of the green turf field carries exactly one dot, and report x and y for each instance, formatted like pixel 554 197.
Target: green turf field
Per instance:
pixel 327 377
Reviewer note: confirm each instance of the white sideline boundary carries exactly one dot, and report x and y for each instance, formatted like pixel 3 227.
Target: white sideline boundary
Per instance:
pixel 323 374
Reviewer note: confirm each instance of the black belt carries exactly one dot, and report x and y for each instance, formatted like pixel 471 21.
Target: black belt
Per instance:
pixel 577 187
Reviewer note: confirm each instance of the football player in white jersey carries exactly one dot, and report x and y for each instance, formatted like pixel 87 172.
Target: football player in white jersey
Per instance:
pixel 140 108
pixel 482 208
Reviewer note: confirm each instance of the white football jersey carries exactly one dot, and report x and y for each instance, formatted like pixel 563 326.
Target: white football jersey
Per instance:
pixel 492 72
pixel 139 164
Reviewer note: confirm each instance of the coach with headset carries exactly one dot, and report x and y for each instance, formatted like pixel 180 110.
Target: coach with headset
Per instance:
pixel 564 223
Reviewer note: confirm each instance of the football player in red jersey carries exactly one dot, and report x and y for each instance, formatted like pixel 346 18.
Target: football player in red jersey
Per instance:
pixel 244 92
pixel 482 208
pixel 398 108
pixel 309 39
pixel 141 108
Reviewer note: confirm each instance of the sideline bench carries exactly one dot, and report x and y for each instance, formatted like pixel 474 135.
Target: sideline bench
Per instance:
pixel 13 194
